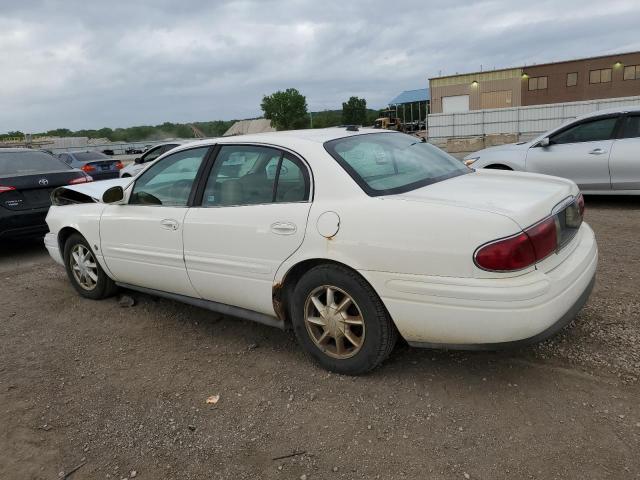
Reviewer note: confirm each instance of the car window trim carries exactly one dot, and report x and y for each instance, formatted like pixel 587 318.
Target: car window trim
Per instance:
pixel 307 173
pixel 196 180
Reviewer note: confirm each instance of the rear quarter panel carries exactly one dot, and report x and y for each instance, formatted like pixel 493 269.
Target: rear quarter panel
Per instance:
pixel 406 237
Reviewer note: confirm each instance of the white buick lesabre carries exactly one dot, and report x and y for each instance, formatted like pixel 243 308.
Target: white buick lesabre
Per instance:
pixel 349 236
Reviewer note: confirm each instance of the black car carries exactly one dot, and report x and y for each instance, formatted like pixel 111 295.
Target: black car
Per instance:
pixel 27 178
pixel 96 164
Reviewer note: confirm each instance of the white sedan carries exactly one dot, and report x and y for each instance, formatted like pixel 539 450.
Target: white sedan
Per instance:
pixel 598 151
pixel 349 237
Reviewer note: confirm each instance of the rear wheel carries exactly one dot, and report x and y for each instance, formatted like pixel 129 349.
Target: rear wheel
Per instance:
pixel 340 321
pixel 84 271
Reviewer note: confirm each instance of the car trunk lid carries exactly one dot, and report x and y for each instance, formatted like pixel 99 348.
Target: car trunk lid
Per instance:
pixel 525 198
pixel 24 192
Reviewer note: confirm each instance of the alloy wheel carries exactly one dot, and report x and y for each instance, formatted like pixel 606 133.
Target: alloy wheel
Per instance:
pixel 334 322
pixel 84 267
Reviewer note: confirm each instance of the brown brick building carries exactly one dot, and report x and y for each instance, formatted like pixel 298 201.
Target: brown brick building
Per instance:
pixel 558 82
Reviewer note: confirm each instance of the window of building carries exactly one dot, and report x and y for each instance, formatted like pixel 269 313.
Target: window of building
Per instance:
pixel 538 83
pixel 600 76
pixel 572 79
pixel 632 72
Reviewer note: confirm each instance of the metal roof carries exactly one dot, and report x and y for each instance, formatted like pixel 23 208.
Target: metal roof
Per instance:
pixel 411 96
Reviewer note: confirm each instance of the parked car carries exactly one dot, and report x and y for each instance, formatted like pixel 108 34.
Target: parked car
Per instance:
pixel 27 178
pixel 598 151
pixel 348 236
pixel 150 155
pixel 132 150
pixel 96 164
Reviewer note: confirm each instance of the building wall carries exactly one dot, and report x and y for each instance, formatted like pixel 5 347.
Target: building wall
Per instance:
pixel 501 88
pixel 558 91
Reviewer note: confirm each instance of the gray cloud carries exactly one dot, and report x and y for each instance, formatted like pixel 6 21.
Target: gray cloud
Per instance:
pixel 119 63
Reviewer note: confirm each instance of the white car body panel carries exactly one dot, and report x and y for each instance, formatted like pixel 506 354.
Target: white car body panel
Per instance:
pixel 151 253
pixel 624 164
pixel 415 249
pixel 598 167
pixel 232 253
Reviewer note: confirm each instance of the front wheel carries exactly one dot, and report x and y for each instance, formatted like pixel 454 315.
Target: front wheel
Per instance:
pixel 84 271
pixel 340 321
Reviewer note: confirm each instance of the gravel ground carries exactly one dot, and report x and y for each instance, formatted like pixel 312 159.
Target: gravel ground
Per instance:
pixel 122 392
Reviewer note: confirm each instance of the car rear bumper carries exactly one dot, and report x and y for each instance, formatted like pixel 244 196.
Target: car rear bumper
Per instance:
pixel 438 312
pixel 23 223
pixel 51 243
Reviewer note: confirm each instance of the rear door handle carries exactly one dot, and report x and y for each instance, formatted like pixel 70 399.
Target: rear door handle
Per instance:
pixel 283 228
pixel 169 224
pixel 597 151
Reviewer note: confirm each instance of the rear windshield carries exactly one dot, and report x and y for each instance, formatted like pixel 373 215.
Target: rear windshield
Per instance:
pixel 20 163
pixel 388 163
pixel 87 156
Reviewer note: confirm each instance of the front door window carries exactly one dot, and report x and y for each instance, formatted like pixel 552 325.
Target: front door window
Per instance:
pixel 170 181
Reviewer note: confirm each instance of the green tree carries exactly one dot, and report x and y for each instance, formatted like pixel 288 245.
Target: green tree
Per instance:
pixel 354 111
pixel 286 110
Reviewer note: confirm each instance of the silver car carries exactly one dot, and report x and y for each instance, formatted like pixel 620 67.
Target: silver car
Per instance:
pixel 599 151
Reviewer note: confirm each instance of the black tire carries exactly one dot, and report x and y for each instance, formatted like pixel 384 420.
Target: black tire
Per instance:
pixel 104 286
pixel 381 333
pixel 126 175
pixel 498 166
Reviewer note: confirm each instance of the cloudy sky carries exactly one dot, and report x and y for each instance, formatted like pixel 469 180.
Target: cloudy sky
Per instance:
pixel 90 64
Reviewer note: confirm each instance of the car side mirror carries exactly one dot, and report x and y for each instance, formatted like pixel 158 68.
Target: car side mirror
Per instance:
pixel 545 142
pixel 138 160
pixel 113 195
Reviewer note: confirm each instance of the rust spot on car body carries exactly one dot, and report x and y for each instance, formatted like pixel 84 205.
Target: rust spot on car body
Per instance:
pixel 278 304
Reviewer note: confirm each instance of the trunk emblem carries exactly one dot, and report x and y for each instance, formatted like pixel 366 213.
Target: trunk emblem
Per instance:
pixel 43 181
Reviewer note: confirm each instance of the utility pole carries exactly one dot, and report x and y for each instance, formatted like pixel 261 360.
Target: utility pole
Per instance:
pixel 311 119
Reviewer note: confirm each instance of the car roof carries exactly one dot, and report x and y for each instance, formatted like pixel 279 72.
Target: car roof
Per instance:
pixel 291 138
pixel 607 111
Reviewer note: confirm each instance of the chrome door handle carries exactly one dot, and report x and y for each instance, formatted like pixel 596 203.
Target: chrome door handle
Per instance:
pixel 169 224
pixel 597 151
pixel 283 228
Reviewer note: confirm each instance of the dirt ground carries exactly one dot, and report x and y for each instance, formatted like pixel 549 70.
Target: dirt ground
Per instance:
pixel 121 392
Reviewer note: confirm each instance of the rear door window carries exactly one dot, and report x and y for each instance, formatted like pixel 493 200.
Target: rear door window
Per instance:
pixel 254 175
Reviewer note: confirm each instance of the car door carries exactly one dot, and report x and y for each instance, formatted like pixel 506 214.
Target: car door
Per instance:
pixel 624 162
pixel 579 152
pixel 251 217
pixel 142 240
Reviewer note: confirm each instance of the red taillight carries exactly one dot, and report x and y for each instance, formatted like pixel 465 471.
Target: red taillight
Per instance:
pixel 513 253
pixel 544 237
pixel 87 168
pixel 519 251
pixel 581 204
pixel 119 165
pixel 4 188
pixel 84 179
